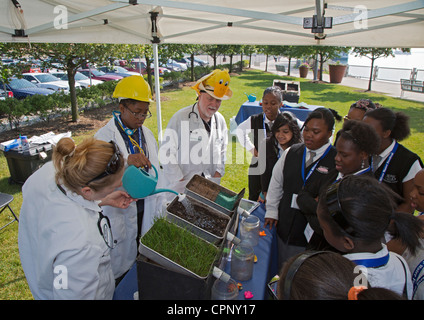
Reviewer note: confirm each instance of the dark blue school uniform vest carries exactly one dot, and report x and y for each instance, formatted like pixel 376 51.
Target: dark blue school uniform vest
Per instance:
pixel 291 222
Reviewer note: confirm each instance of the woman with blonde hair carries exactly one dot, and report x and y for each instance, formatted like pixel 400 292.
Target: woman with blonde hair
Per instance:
pixel 64 239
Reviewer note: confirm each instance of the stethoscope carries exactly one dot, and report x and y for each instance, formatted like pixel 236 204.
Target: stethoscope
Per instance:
pixel 192 112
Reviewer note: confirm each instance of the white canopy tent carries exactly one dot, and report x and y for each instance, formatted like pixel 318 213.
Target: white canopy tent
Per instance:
pixel 372 23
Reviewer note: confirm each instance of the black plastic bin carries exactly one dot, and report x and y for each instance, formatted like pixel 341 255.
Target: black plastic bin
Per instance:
pixel 24 163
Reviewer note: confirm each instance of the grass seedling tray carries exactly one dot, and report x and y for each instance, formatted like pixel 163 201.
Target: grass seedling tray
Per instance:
pixel 178 249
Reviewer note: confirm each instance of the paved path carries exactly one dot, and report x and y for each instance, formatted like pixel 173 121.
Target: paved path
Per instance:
pixel 386 87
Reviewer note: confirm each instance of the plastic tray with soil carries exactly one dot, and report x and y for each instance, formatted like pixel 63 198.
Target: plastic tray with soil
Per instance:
pixel 200 215
pixel 181 248
pixel 214 194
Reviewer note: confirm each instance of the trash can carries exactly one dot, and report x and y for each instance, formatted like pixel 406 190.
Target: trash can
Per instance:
pixel 24 163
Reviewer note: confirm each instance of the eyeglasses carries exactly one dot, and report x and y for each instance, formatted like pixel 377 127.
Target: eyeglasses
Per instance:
pixel 105 230
pixel 140 115
pixel 113 165
pixel 335 208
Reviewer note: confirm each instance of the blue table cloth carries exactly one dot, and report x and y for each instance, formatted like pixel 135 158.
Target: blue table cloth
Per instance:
pixel 300 110
pixel 264 269
pixel 267 265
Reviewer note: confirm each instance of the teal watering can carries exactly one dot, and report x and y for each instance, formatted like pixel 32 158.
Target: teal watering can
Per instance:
pixel 251 97
pixel 140 184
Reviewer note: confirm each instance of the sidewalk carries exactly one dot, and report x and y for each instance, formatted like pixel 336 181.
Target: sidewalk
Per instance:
pixel 388 88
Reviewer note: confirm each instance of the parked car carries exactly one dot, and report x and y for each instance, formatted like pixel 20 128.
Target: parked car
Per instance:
pixel 136 66
pixel 201 62
pixel 5 94
pixel 7 61
pixel 82 80
pixel 22 88
pixel 175 66
pixel 31 68
pixel 187 61
pixel 118 71
pixel 99 75
pixel 48 81
pixel 162 70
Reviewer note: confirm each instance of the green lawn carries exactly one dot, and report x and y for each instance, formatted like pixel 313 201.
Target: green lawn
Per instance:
pixel 12 280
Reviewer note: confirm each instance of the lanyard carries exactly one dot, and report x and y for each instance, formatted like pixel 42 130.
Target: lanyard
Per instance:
pixel 415 280
pixel 134 143
pixel 128 132
pixel 356 173
pixel 313 167
pixel 263 125
pixel 386 165
pixel 373 263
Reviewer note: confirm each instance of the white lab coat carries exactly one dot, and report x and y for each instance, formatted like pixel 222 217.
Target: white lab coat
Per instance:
pixel 62 251
pixel 187 149
pixel 124 221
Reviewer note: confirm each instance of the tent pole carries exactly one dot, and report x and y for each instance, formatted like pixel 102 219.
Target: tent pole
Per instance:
pixel 157 92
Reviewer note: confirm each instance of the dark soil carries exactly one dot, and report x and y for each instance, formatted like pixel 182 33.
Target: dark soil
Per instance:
pixel 202 217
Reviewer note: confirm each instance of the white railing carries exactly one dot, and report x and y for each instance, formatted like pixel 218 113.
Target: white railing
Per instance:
pixel 385 73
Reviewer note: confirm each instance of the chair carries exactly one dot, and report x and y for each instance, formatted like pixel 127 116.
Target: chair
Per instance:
pixel 5 199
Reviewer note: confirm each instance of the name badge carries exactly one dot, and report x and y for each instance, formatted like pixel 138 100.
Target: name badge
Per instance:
pixel 308 232
pixel 294 202
pixel 195 136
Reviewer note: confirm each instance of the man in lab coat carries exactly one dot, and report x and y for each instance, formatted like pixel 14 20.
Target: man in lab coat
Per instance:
pixel 139 148
pixel 195 140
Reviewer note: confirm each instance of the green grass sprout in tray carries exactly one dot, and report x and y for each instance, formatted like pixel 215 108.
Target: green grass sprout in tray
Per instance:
pixel 180 246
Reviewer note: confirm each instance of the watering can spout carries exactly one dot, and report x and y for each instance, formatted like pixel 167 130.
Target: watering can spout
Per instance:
pixel 250 97
pixel 140 184
pixel 164 190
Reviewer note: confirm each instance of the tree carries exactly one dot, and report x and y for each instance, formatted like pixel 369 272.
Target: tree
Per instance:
pixel 249 50
pixel 70 55
pixel 374 54
pixel 326 53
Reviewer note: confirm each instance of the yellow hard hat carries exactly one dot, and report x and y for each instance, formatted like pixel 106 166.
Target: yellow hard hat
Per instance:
pixel 133 87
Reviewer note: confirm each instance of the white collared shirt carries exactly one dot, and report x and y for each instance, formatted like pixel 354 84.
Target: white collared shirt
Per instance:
pixel 244 131
pixel 357 173
pixel 412 171
pixel 391 275
pixel 275 189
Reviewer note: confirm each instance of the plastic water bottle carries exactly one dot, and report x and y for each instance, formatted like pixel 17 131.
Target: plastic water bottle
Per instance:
pixel 24 143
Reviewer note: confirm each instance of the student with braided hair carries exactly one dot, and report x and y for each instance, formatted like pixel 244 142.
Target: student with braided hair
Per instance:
pixel 325 275
pixel 355 213
pixel 395 165
pixel 358 109
pixel 355 143
pixel 285 133
pixel 253 132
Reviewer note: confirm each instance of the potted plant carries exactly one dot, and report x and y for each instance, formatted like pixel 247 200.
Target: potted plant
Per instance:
pixel 303 70
pixel 337 71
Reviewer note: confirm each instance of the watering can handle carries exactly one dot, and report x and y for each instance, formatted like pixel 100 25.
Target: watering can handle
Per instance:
pixel 156 171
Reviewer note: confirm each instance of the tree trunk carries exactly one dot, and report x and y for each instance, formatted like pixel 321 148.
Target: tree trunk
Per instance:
pixel 231 63
pixel 371 72
pixel 149 72
pixel 73 93
pixel 192 67
pixel 288 68
pixel 321 67
pixel 241 62
pixel 266 63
